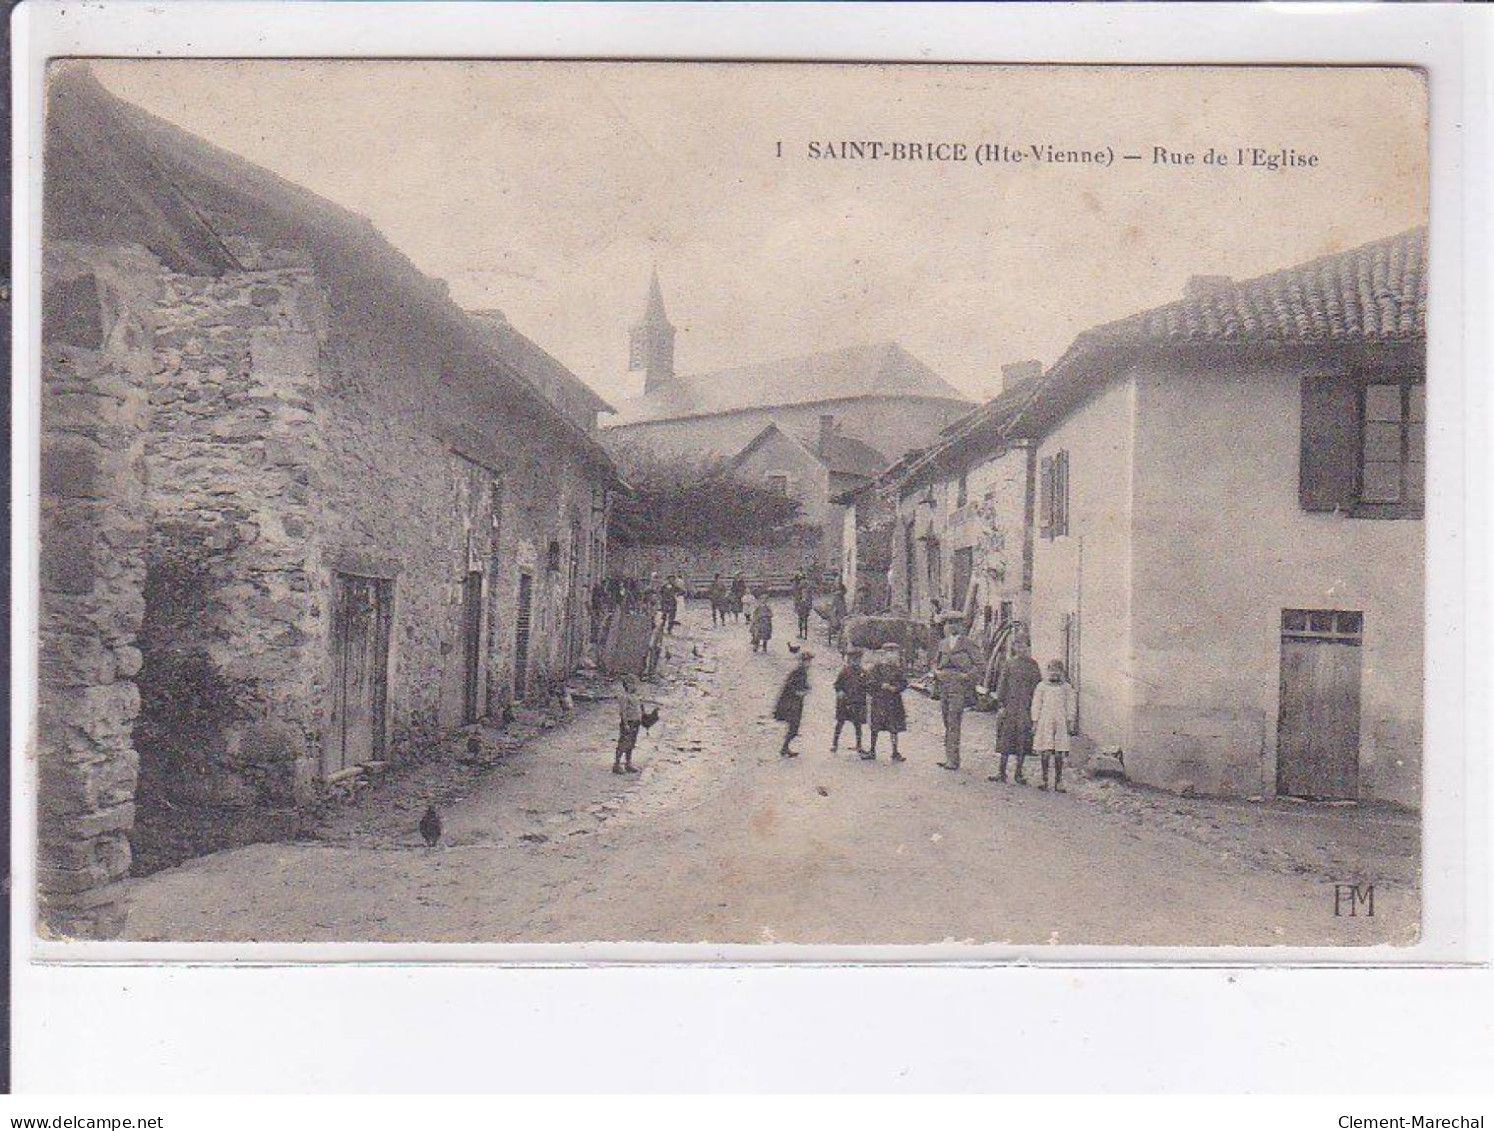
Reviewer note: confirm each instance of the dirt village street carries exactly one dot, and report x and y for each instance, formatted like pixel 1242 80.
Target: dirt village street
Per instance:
pixel 718 839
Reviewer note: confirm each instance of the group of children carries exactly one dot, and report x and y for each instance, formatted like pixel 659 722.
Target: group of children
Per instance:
pixel 1036 714
pixel 871 698
pixel 874 698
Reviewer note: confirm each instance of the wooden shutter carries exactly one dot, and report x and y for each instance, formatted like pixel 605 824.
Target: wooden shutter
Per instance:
pixel 1061 492
pixel 1045 497
pixel 1330 442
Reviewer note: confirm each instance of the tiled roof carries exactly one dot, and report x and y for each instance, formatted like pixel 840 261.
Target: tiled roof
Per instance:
pixel 985 428
pixel 846 455
pixel 1377 291
pixel 883 369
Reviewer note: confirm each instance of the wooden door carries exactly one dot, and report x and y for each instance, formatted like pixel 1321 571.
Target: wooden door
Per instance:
pixel 361 611
pixel 471 644
pixel 521 635
pixel 1318 729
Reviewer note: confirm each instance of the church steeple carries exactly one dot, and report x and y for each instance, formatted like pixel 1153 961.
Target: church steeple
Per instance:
pixel 651 342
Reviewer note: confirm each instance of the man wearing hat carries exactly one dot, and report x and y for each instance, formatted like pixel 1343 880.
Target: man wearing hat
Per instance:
pixel 955 663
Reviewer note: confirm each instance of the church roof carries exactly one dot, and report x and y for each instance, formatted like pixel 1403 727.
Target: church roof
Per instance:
pixel 881 369
pixel 654 311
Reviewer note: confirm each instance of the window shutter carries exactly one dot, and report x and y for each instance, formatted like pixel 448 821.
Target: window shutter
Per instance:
pixel 1045 497
pixel 1330 441
pixel 1061 493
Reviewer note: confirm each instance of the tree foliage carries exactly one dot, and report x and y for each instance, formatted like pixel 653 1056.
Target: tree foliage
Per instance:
pixel 695 501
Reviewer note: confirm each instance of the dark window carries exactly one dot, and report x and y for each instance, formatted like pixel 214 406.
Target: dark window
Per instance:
pixel 1053 495
pixel 963 563
pixel 1364 444
pixel 962 494
pixel 779 483
pixel 1341 625
pixel 552 557
pixel 934 562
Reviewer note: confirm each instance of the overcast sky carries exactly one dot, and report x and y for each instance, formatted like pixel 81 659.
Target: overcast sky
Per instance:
pixel 548 190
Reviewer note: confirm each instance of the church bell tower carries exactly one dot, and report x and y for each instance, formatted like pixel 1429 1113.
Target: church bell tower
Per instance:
pixel 651 341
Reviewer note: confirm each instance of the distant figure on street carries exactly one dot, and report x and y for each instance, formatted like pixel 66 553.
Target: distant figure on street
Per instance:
pixel 803 603
pixel 718 600
pixel 956 662
pixel 430 825
pixel 669 604
pixel 887 711
pixel 1054 718
pixel 1018 679
pixel 762 625
pixel 851 688
pixel 630 718
pixel 835 623
pixel 789 707
pixel 738 596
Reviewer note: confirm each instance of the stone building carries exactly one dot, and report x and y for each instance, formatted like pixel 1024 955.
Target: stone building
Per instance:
pixel 1221 507
pixel 299 512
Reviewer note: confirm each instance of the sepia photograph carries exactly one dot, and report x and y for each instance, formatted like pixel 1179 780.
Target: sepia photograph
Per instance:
pixel 759 503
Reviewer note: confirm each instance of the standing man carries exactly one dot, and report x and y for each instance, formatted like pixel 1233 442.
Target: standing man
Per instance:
pixel 669 604
pixel 738 596
pixel 718 600
pixel 955 663
pixel 836 622
pixel 1019 677
pixel 803 603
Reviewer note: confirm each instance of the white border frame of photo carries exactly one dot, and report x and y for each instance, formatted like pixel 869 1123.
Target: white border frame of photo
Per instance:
pixel 1445 40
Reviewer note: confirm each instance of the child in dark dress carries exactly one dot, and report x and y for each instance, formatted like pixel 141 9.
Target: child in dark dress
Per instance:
pixel 887 710
pixel 851 687
pixel 790 705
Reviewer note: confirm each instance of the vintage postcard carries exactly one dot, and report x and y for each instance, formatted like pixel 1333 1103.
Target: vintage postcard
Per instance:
pixel 733 503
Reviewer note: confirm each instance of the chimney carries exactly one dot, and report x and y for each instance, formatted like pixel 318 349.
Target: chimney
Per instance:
pixel 1019 372
pixel 827 432
pixel 1199 286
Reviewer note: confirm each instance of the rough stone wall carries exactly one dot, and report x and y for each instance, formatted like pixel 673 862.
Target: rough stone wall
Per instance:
pixel 97 336
pixel 398 499
pixel 230 459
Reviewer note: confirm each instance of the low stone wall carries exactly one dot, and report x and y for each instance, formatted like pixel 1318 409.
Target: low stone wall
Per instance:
pixel 96 358
pixel 698 564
